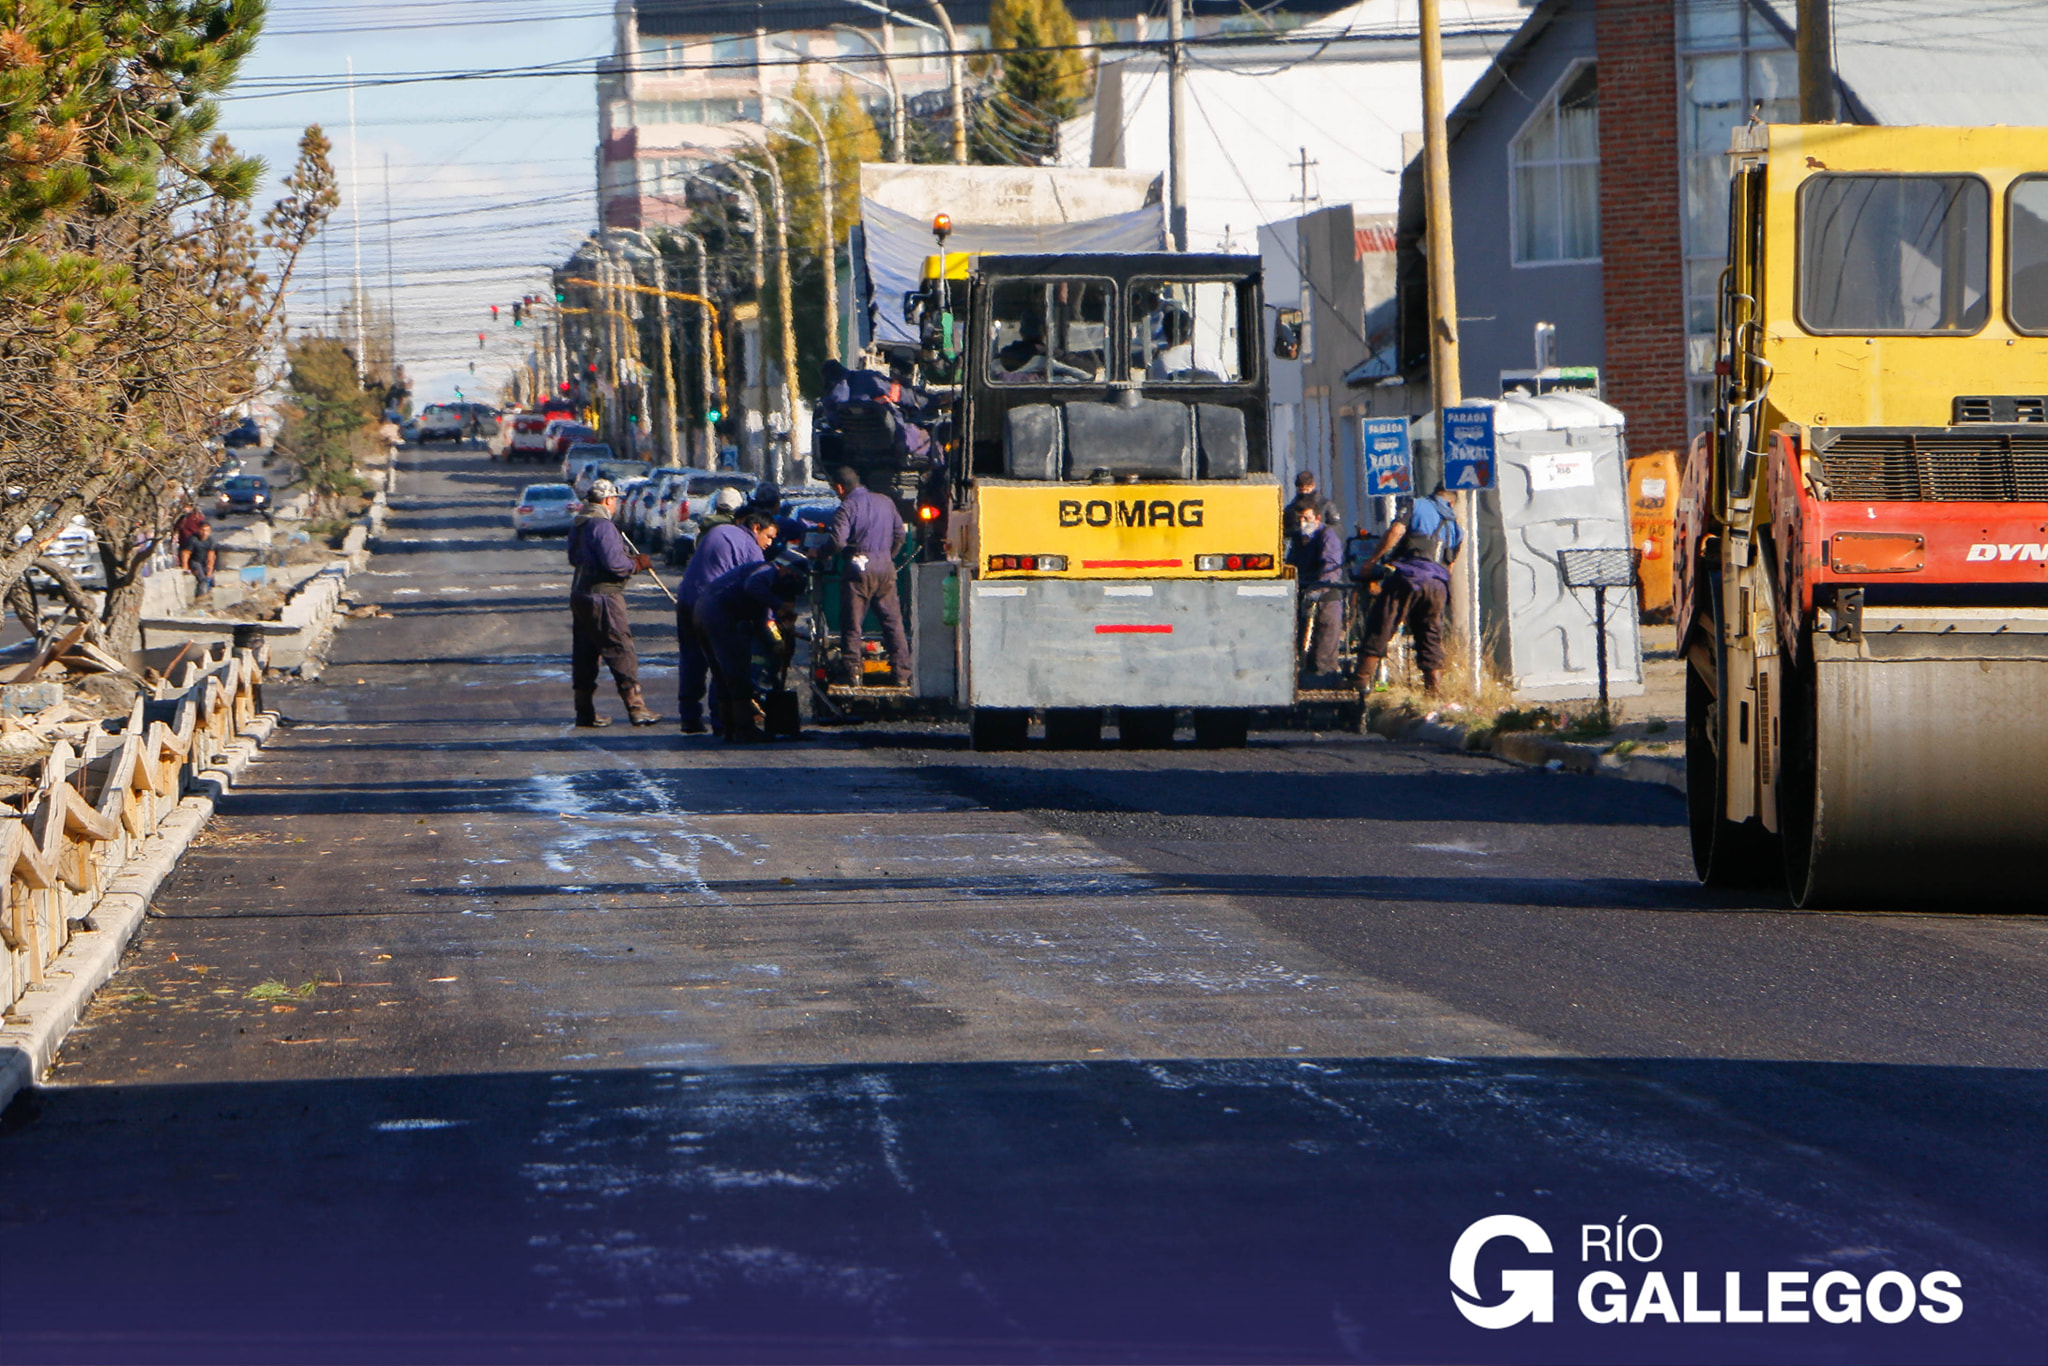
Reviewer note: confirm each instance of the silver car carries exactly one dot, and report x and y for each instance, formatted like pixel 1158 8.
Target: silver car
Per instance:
pixel 545 509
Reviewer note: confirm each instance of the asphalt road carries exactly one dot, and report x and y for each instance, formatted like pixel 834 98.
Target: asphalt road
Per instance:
pixel 468 1036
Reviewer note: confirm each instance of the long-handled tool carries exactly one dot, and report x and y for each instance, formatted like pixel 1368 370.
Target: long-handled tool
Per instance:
pixel 650 573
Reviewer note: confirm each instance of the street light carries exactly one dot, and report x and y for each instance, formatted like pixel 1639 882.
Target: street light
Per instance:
pixel 741 189
pixel 953 81
pixel 896 151
pixel 826 172
pixel 890 89
pixel 782 292
pixel 670 440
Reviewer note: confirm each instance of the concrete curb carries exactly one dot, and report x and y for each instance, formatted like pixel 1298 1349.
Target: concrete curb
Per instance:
pixel 1533 750
pixel 35 1030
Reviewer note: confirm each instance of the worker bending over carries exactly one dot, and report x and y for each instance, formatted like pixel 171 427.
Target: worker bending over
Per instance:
pixel 598 627
pixel 1410 579
pixel 747 617
pixel 720 550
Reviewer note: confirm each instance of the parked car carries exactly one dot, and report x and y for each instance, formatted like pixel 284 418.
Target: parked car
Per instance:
pixel 436 422
pixel 244 493
pixel 631 492
pixel 544 509
pixel 685 514
pixel 528 438
pixel 226 470
pixel 247 432
pixel 670 487
pixel 566 432
pixel 77 549
pixel 618 471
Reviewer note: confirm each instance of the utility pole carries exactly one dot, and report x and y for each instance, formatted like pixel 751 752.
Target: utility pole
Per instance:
pixel 1176 127
pixel 704 325
pixel 1443 314
pixel 1304 165
pixel 1817 103
pixel 390 289
pixel 355 200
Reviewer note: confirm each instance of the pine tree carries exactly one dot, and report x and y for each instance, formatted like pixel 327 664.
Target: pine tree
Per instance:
pixel 1042 78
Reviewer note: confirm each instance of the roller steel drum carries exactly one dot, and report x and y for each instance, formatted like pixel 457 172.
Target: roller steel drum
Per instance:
pixel 1929 781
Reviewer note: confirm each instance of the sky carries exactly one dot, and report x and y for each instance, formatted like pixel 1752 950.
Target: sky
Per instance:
pixel 491 180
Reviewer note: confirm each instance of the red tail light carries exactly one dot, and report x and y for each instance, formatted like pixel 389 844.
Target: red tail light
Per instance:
pixel 927 513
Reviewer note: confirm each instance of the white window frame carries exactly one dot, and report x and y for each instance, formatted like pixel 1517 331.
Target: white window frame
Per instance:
pixel 1548 104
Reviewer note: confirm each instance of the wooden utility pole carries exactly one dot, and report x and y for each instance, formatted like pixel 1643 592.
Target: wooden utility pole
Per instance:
pixel 1817 102
pixel 1443 318
pixel 1176 128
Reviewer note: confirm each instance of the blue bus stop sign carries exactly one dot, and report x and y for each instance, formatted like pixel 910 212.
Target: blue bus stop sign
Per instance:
pixel 1468 447
pixel 1387 470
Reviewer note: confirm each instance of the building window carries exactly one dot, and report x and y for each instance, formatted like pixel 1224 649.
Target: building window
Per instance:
pixel 1554 175
pixel 1731 60
pixel 733 49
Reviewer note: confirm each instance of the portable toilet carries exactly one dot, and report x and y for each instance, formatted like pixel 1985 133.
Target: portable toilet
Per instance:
pixel 1562 484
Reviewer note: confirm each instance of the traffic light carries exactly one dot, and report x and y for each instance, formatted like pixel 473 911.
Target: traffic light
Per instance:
pixel 565 386
pixel 713 416
pixel 561 295
pixel 479 341
pixel 494 312
pixel 517 309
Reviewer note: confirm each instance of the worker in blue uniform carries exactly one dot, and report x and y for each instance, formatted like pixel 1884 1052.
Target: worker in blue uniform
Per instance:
pixel 1410 578
pixel 870 531
pixel 746 616
pixel 723 548
pixel 1318 559
pixel 598 626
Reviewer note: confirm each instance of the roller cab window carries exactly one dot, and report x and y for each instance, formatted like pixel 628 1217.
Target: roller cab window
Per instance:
pixel 2026 254
pixel 1186 332
pixel 1894 254
pixel 1049 331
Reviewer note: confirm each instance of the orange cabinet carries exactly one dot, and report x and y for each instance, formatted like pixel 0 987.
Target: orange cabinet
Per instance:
pixel 1652 506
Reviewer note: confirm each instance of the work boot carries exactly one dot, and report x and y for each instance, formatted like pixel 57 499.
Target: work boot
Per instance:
pixel 692 727
pixel 1367 673
pixel 636 705
pixel 1429 678
pixel 586 710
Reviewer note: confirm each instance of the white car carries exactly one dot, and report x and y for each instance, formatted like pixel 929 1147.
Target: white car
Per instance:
pixel 543 509
pixel 527 437
pixel 679 530
pixel 436 422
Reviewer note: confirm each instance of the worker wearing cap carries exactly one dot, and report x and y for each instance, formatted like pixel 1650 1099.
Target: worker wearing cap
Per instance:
pixel 1411 585
pixel 746 615
pixel 723 548
pixel 599 628
pixel 869 530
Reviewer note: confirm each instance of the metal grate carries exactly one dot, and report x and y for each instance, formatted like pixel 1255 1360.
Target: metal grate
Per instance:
pixel 1598 568
pixel 1999 408
pixel 1934 465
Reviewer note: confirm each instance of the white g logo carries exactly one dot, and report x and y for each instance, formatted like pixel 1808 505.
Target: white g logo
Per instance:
pixel 1528 1291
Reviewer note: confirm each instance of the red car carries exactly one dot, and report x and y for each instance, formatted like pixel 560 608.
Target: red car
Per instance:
pixel 563 433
